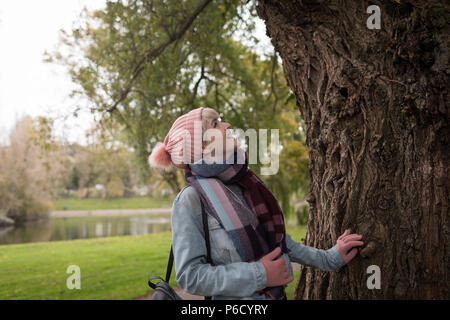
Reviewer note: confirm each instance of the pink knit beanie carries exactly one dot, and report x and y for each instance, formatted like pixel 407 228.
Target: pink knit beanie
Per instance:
pixel 181 141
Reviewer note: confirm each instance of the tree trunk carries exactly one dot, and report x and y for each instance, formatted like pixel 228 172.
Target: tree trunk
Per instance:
pixel 375 105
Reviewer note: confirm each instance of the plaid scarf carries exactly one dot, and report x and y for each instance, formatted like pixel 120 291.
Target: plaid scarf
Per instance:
pixel 254 233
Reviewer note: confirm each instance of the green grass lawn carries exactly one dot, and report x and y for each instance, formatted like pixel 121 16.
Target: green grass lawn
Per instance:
pixel 111 204
pixel 111 268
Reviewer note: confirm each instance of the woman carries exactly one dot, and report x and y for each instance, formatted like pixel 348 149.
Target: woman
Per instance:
pixel 250 250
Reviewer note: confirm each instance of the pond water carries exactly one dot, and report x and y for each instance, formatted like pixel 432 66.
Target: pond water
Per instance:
pixel 56 229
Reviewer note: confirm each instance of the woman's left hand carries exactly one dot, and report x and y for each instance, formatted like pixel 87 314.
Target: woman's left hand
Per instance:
pixel 347 241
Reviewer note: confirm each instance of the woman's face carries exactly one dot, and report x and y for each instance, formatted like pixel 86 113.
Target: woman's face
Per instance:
pixel 229 143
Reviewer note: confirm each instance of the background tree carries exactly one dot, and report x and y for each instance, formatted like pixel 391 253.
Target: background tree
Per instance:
pixel 375 106
pixel 106 160
pixel 32 170
pixel 142 64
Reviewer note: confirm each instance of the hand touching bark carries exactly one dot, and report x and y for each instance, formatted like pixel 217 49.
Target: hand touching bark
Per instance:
pixel 277 272
pixel 347 241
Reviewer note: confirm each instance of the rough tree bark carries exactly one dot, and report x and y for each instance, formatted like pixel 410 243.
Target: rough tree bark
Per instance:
pixel 375 105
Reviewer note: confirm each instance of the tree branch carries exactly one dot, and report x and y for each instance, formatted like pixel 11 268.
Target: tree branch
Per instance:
pixel 154 53
pixel 272 81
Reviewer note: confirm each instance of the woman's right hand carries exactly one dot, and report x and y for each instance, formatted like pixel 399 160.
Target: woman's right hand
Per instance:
pixel 277 272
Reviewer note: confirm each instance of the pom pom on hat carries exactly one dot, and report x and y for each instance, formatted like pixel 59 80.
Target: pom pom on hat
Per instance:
pixel 181 135
pixel 159 158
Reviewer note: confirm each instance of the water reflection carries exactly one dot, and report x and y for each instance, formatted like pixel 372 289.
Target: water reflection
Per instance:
pixel 56 229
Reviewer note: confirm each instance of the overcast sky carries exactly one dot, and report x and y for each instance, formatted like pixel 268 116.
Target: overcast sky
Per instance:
pixel 30 86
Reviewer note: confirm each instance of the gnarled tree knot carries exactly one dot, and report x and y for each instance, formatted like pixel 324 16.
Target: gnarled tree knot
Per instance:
pixel 369 249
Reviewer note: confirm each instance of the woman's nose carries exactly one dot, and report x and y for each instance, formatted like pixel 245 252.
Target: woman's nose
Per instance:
pixel 226 125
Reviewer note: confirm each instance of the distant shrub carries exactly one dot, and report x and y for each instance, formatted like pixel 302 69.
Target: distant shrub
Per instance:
pixel 115 188
pixel 31 209
pixel 31 168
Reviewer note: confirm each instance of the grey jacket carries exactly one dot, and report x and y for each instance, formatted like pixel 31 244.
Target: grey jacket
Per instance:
pixel 228 277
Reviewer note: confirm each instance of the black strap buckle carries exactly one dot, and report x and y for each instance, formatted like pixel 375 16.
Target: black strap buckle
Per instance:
pixel 151 284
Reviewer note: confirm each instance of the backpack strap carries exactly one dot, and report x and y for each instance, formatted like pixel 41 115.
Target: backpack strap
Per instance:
pixel 206 231
pixel 208 247
pixel 169 265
